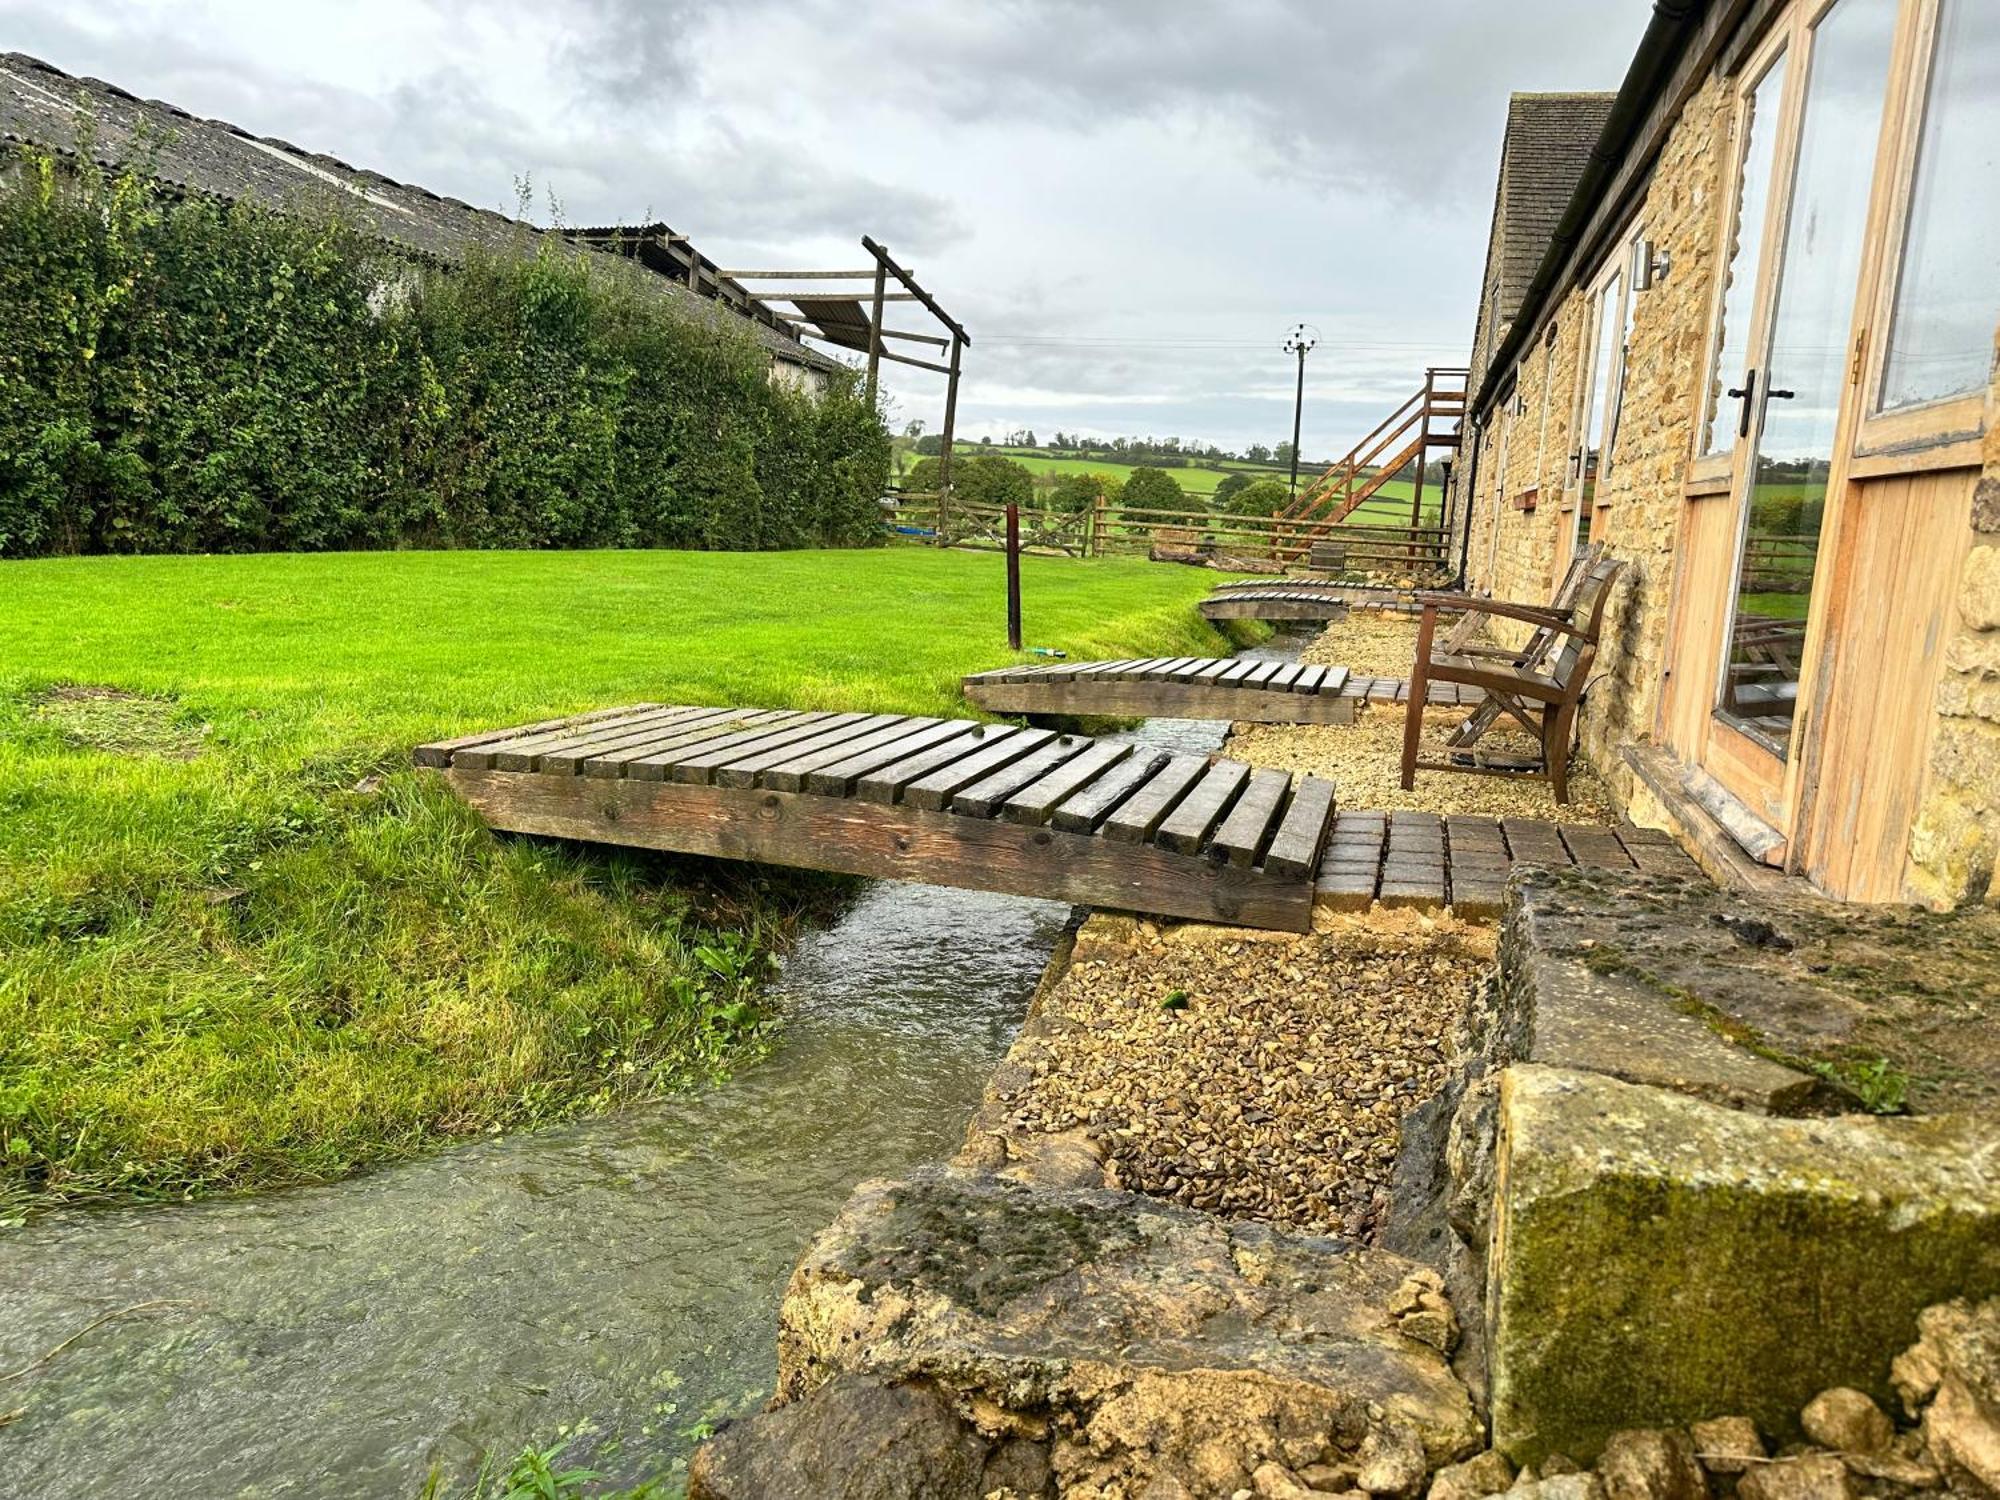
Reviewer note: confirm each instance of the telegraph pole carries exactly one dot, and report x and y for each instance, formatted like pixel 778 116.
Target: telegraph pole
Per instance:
pixel 1302 337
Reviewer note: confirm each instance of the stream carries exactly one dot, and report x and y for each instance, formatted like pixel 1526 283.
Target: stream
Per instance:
pixel 613 1282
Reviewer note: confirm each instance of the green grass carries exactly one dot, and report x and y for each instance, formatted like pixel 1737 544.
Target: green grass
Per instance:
pixel 241 943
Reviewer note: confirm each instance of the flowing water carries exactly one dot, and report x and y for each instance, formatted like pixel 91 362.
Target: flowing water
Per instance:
pixel 622 1274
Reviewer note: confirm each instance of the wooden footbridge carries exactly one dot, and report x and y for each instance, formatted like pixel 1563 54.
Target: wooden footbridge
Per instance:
pixel 949 801
pixel 1302 599
pixel 1196 687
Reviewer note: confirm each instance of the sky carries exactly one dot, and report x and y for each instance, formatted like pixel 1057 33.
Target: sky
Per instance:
pixel 1127 203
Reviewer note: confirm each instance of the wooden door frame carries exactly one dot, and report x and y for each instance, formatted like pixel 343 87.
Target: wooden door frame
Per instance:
pixel 1572 525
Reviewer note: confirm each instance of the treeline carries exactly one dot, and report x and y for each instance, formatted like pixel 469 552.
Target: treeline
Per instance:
pixel 182 375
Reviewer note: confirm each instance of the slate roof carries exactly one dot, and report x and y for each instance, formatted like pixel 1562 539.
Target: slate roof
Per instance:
pixel 1542 157
pixel 40 105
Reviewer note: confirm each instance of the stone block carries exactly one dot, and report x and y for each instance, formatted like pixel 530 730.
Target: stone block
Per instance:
pixel 1144 1343
pixel 1658 1258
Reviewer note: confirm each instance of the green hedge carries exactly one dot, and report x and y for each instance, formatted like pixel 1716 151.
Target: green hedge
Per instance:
pixel 180 375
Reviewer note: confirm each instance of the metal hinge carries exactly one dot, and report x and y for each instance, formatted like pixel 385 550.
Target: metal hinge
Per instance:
pixel 1860 353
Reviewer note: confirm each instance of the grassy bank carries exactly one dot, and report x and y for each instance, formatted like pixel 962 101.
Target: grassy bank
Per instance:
pixel 242 944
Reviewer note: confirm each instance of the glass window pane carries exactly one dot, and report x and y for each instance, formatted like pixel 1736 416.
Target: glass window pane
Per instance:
pixel 1948 292
pixel 1806 365
pixel 1746 240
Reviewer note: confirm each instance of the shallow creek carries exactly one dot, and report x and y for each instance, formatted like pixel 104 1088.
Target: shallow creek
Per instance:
pixel 622 1274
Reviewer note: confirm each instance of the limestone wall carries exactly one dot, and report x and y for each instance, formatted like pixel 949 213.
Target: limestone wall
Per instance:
pixel 1640 498
pixel 1955 842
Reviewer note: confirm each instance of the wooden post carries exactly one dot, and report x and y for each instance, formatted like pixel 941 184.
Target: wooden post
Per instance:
pixel 875 329
pixel 950 425
pixel 1013 576
pixel 1098 507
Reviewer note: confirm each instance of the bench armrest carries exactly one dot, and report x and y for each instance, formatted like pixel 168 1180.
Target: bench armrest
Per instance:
pixel 1548 619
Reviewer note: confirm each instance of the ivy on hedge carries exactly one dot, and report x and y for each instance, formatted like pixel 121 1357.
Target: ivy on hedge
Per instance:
pixel 181 375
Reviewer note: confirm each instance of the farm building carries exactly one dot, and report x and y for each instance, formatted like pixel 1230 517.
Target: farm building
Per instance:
pixel 1753 357
pixel 42 106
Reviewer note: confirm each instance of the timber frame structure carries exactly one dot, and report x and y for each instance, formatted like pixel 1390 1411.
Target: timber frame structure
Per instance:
pixel 853 319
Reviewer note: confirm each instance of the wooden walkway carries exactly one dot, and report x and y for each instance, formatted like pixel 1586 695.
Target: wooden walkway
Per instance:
pixel 1303 599
pixel 1196 687
pixel 1424 860
pixel 948 801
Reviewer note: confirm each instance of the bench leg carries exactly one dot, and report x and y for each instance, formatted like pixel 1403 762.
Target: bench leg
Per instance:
pixel 1420 691
pixel 1557 720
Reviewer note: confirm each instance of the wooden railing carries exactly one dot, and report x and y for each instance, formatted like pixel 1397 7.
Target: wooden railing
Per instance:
pixel 1256 543
pixel 1429 418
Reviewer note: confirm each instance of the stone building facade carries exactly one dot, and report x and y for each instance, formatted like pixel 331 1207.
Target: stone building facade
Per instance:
pixel 1603 409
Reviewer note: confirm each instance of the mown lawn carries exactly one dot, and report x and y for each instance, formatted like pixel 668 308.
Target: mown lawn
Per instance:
pixel 241 943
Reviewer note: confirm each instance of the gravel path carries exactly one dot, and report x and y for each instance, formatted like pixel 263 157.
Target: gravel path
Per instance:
pixel 1364 759
pixel 1256 1076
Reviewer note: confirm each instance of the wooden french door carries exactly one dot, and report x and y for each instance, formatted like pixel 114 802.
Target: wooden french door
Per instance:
pixel 1601 382
pixel 1809 120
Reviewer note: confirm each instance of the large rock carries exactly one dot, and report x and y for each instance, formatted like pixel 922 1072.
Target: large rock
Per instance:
pixel 1955 1367
pixel 1657 1257
pixel 860 1439
pixel 1145 1344
pixel 1651 1463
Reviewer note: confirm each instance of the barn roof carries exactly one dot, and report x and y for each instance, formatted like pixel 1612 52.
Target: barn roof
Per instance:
pixel 43 106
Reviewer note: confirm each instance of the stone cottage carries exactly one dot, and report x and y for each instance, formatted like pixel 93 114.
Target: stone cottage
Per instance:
pixel 1753 356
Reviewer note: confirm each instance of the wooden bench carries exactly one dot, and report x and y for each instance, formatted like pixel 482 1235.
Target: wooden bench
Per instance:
pixel 947 801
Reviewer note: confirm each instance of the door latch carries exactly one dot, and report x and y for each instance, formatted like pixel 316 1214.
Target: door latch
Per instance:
pixel 1744 394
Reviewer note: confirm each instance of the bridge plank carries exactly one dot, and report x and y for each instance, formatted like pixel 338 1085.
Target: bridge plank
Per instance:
pixel 1253 821
pixel 1186 829
pixel 886 783
pixel 836 777
pixel 611 762
pixel 982 799
pixel 1084 811
pixel 1295 848
pixel 1036 802
pixel 571 756
pixel 439 752
pixel 1134 819
pixel 935 789
pixel 745 769
pixel 698 764
pixel 527 744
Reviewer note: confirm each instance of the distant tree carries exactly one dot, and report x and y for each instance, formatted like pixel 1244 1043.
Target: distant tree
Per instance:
pixel 915 429
pixel 985 477
pixel 1257 453
pixel 1262 497
pixel 930 446
pixel 1231 483
pixel 1029 439
pixel 1149 488
pixel 986 442
pixel 1282 453
pixel 1075 492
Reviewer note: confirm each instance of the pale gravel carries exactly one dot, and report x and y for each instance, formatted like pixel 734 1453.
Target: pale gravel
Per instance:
pixel 1279 1090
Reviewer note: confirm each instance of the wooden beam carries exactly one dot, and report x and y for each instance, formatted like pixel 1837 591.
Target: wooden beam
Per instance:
pixel 908 359
pixel 902 275
pixel 875 330
pixel 914 338
pixel 861 275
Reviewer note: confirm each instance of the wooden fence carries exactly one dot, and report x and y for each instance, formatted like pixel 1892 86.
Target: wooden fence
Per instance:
pixel 1249 543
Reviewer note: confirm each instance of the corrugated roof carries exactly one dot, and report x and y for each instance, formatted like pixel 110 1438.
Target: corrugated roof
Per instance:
pixel 40 106
pixel 1542 157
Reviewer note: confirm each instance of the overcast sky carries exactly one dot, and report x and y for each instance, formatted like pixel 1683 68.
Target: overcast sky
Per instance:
pixel 1127 203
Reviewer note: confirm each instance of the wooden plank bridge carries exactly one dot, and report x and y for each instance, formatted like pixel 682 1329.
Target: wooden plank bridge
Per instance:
pixel 949 801
pixel 1241 689
pixel 1302 599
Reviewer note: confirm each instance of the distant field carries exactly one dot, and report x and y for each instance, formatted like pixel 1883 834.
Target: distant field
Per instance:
pixel 1390 506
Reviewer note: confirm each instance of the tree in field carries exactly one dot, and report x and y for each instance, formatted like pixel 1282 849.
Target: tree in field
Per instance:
pixel 1028 439
pixel 1231 483
pixel 1282 453
pixel 985 478
pixel 1076 492
pixel 1257 453
pixel 1155 489
pixel 1263 497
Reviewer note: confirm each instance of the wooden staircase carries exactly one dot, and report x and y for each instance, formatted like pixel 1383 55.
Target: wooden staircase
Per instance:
pixel 1430 418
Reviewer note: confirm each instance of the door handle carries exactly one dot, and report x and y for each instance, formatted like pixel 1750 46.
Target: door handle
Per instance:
pixel 1744 394
pixel 1779 395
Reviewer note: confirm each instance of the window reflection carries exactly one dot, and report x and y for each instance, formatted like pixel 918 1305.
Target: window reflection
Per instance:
pixel 1948 289
pixel 1746 238
pixel 1805 367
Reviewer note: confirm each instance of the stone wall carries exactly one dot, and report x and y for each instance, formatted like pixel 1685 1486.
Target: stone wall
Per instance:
pixel 1640 498
pixel 1955 842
